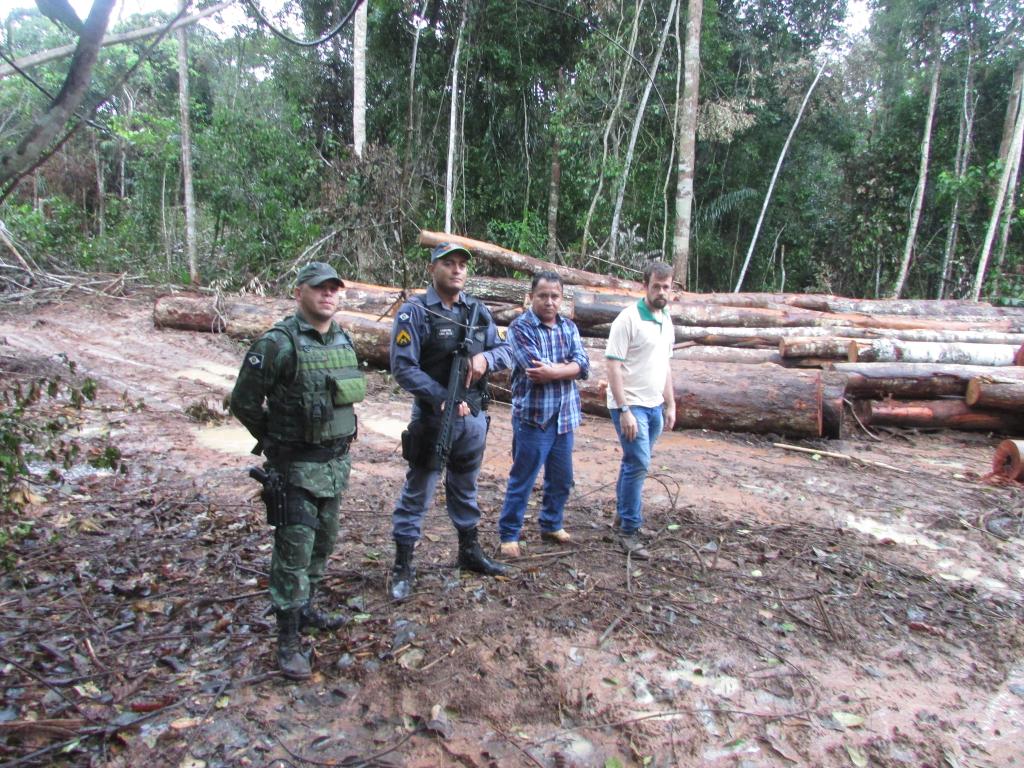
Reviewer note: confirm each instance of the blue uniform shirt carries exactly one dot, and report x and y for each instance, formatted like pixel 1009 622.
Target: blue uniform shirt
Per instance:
pixel 411 329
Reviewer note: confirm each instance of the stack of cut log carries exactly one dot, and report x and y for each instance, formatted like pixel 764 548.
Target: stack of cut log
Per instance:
pixel 749 362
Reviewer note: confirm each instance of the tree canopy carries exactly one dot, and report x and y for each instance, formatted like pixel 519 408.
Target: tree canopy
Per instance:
pixel 540 87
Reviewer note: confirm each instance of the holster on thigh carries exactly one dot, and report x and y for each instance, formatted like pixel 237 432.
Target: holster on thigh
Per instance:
pixel 301 508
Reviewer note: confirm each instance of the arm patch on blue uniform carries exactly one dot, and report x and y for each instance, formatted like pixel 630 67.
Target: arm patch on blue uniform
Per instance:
pixel 403 339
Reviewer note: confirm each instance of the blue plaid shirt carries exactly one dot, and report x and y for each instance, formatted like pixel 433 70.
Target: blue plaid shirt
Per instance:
pixel 535 403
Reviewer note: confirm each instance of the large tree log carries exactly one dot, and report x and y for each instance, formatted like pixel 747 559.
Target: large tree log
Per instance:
pixel 770 337
pixel 938 414
pixel 523 263
pixel 248 319
pixel 731 397
pixel 710 354
pixel 991 392
pixel 897 350
pixel 820 347
pixel 915 380
pixel 595 308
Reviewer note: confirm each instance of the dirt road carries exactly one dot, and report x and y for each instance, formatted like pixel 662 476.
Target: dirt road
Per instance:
pixel 798 610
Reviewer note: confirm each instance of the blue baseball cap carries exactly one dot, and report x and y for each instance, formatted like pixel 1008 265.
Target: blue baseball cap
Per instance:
pixel 444 249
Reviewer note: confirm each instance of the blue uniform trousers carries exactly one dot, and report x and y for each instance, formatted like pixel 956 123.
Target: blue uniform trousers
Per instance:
pixel 469 437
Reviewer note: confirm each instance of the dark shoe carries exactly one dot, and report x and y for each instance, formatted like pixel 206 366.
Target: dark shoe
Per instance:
pixel 402 573
pixel 293 663
pixel 631 545
pixel 472 558
pixel 311 616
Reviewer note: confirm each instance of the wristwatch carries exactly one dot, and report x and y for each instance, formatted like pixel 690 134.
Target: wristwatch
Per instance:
pixel 623 409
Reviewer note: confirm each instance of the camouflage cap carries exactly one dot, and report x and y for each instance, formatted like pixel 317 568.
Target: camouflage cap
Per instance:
pixel 444 249
pixel 317 272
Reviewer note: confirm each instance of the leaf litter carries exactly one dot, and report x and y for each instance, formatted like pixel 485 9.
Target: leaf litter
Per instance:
pixel 134 625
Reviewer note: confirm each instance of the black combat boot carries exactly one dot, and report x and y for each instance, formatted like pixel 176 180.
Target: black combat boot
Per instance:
pixel 290 658
pixel 311 616
pixel 472 558
pixel 402 573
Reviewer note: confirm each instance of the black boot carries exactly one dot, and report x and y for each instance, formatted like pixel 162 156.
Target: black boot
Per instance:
pixel 472 558
pixel 402 573
pixel 311 616
pixel 290 658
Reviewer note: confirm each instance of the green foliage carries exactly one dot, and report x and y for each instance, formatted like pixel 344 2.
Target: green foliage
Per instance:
pixel 25 432
pixel 276 180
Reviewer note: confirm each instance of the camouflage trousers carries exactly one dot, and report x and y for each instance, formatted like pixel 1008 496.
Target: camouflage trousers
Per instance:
pixel 301 552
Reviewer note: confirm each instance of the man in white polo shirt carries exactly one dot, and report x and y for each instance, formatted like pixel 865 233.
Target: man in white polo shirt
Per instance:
pixel 641 398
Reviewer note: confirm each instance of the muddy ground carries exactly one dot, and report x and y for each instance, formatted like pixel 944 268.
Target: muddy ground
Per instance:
pixel 798 609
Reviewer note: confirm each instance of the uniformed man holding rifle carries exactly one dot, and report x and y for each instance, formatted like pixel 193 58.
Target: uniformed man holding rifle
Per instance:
pixel 443 344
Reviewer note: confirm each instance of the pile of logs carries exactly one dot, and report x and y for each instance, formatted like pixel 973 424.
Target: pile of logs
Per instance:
pixel 781 363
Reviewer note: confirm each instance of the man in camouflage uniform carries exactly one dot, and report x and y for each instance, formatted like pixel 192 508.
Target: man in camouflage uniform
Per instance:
pixel 295 393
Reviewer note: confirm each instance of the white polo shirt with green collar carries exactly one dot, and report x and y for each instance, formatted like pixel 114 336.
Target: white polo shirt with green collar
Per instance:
pixel 642 341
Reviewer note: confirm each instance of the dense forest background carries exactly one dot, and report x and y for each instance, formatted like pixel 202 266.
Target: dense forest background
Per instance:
pixel 901 144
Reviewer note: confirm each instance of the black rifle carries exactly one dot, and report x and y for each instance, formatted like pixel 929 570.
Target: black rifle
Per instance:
pixel 472 343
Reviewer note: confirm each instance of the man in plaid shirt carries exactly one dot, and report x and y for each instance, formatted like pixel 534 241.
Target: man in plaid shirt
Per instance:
pixel 548 358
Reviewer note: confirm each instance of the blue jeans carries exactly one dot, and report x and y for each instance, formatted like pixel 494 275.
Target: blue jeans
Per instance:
pixel 469 437
pixel 636 458
pixel 534 447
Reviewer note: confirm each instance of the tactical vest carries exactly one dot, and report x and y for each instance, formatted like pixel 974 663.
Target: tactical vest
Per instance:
pixel 315 407
pixel 437 351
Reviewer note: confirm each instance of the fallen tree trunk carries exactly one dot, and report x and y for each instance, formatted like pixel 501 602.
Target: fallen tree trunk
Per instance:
pixel 596 308
pixel 730 397
pixel 914 380
pixel 218 314
pixel 826 347
pixel 773 336
pixel 938 414
pixel 989 392
pixel 495 254
pixel 708 354
pixel 896 350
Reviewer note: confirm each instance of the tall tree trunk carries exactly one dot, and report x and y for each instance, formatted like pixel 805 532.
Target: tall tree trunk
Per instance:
pixel 453 124
pixel 359 79
pixel 101 192
pixel 1001 193
pixel 686 143
pixel 775 176
pixel 553 194
pixel 922 175
pixel 608 128
pixel 637 122
pixel 1011 194
pixel 960 163
pixel 186 151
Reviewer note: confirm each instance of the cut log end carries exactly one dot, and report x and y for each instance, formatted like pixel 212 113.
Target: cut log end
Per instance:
pixel 1007 460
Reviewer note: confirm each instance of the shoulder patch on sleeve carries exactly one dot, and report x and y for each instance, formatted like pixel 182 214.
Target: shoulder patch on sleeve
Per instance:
pixel 502 333
pixel 404 338
pixel 403 317
pixel 254 360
